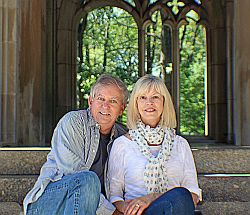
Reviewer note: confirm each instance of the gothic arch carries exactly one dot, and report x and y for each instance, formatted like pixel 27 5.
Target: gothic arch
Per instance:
pixel 67 19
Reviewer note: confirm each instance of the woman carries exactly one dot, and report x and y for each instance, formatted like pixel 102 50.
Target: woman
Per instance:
pixel 151 169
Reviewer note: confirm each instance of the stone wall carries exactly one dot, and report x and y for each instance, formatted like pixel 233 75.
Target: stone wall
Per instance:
pixel 8 71
pixel 37 68
pixel 22 64
pixel 30 108
pixel 242 72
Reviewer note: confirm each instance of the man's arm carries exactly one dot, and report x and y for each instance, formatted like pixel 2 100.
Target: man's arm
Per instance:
pixel 68 142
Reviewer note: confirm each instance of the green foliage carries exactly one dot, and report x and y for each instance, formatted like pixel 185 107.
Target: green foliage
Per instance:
pixel 192 77
pixel 109 44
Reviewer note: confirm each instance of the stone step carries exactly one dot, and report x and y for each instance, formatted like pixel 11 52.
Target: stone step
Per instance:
pixel 22 161
pixel 14 188
pixel 10 208
pixel 225 208
pixel 224 188
pixel 222 194
pixel 214 188
pixel 209 160
pixel 207 208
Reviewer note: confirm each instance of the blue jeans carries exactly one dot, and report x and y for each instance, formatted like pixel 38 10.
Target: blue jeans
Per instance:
pixel 76 194
pixel 177 201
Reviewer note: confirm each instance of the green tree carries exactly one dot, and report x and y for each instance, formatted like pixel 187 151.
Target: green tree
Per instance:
pixel 192 77
pixel 107 44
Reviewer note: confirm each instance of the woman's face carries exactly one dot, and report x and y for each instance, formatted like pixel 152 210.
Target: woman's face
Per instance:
pixel 150 107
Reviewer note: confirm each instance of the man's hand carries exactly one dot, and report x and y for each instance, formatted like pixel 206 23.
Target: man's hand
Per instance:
pixel 116 212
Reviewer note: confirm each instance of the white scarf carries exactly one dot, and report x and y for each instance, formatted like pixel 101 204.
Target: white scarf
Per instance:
pixel 155 174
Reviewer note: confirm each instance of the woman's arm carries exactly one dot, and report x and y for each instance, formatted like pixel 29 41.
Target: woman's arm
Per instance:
pixel 195 199
pixel 115 174
pixel 189 180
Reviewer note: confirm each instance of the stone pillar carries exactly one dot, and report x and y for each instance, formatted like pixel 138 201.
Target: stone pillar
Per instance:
pixel 66 56
pixel 242 72
pixel 217 70
pixel 8 71
pixel 31 73
pixel 229 27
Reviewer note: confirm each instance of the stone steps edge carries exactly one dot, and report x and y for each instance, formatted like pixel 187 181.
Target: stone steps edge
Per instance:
pixel 208 208
pixel 223 189
pixel 208 161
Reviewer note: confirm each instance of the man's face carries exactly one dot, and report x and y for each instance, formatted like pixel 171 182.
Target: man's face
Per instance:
pixel 106 106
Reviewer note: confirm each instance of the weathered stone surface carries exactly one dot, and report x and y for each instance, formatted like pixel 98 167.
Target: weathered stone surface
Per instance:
pixel 214 189
pixel 222 160
pixel 20 162
pixel 10 208
pixel 221 195
pixel 225 189
pixel 14 188
pixel 225 208
pixel 207 208
pixel 208 160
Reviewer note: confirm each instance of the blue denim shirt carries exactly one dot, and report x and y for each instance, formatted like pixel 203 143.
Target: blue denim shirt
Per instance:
pixel 74 145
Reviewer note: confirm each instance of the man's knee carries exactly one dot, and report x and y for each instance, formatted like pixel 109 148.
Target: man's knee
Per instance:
pixel 88 180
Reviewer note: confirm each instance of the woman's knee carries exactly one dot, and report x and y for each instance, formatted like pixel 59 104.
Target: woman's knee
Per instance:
pixel 176 200
pixel 181 193
pixel 182 200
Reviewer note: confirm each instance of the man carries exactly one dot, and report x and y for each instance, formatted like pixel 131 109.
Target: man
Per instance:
pixel 73 179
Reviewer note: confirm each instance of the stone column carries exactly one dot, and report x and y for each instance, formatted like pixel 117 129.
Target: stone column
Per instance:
pixel 242 72
pixel 217 71
pixel 229 45
pixel 31 72
pixel 8 71
pixel 66 56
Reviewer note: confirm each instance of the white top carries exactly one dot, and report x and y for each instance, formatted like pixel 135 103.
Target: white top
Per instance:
pixel 127 164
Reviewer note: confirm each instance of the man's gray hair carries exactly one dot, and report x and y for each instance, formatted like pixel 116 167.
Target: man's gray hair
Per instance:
pixel 106 80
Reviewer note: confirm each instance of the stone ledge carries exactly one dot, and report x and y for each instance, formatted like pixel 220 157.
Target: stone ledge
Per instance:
pixel 10 208
pixel 22 162
pixel 222 160
pixel 225 208
pixel 207 208
pixel 15 188
pixel 214 189
pixel 208 160
pixel 225 189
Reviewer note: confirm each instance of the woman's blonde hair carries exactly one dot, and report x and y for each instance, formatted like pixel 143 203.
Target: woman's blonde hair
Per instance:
pixel 142 87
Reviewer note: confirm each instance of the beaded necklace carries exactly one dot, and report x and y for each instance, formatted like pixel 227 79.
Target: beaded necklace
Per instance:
pixel 155 174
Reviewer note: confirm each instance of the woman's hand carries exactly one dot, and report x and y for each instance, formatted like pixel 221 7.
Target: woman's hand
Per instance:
pixel 195 199
pixel 138 205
